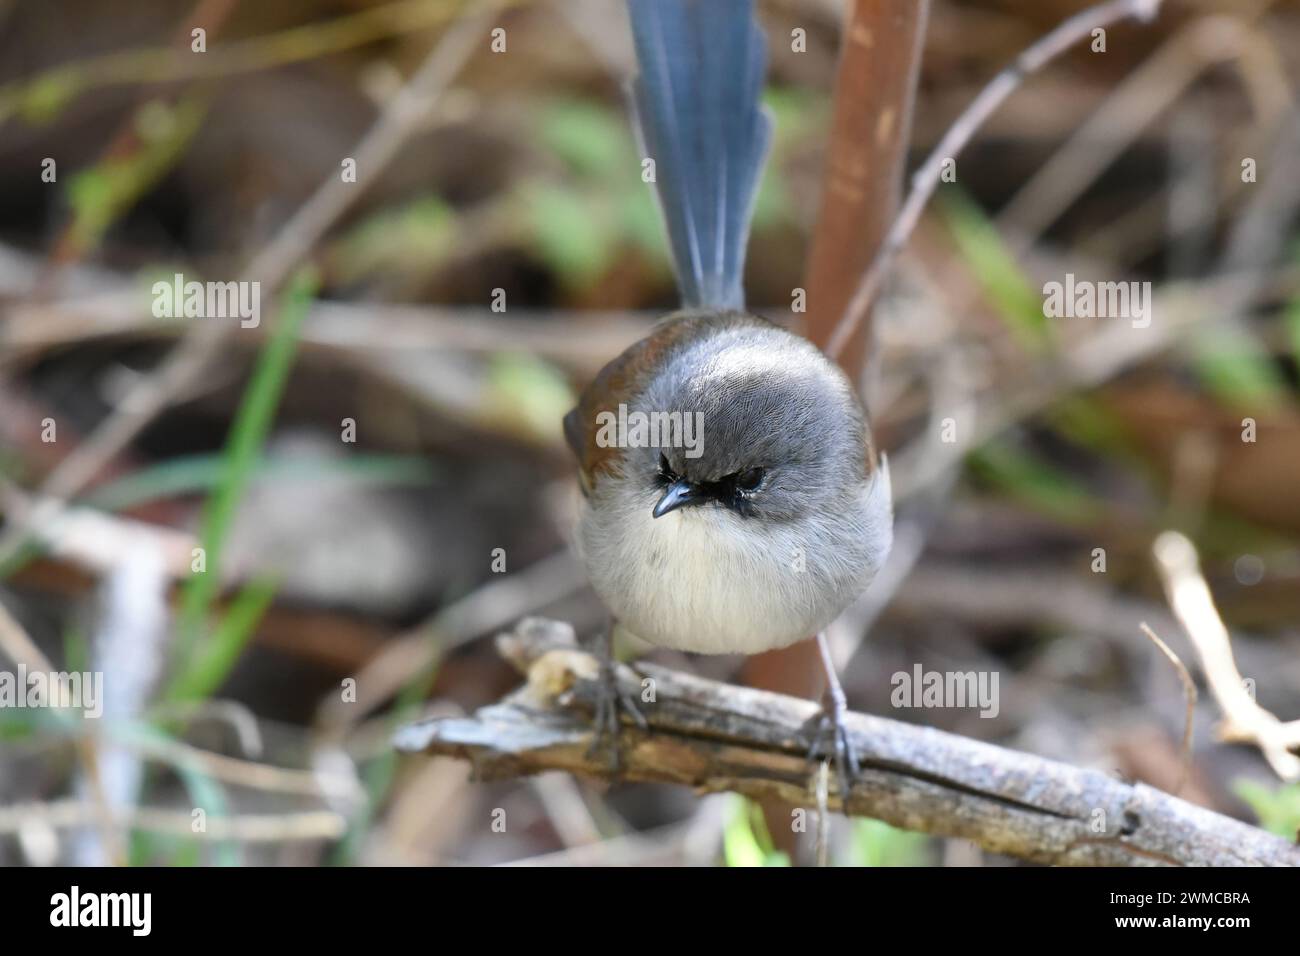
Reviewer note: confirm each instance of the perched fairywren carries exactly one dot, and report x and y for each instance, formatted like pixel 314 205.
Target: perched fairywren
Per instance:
pixel 758 527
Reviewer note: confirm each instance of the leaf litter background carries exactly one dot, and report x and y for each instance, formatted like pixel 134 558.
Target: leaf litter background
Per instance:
pixel 373 560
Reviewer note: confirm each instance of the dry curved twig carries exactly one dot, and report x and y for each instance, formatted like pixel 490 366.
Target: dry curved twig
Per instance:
pixel 927 177
pixel 1243 719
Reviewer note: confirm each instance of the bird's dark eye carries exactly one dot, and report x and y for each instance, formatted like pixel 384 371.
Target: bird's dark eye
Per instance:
pixel 750 479
pixel 665 470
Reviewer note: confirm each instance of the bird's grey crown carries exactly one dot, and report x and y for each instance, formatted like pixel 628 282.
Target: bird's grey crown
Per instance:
pixel 767 399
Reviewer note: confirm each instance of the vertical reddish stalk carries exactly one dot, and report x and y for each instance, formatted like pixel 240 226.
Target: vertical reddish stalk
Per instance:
pixel 880 55
pixel 875 87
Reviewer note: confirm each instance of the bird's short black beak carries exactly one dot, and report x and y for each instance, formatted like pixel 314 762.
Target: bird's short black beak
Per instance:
pixel 678 495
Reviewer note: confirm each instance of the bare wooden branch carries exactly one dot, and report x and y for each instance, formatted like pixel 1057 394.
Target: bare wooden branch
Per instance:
pixel 715 737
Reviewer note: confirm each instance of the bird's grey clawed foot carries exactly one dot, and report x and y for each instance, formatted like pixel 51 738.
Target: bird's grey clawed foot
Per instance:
pixel 830 725
pixel 611 702
pixel 830 740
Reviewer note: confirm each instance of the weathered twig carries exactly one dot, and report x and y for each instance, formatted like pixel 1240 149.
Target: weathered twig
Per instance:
pixel 714 737
pixel 94 540
pixel 1244 720
pixel 1189 699
pixel 244 828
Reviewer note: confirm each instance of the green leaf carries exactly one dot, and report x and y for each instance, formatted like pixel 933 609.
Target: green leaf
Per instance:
pixel 745 840
pixel 640 219
pixel 1014 297
pixel 528 395
pixel 876 843
pixel 1087 422
pixel 573 233
pixel 1035 481
pixel 593 140
pixel 798 117
pixel 1235 367
pixel 101 194
pixel 410 239
pixel 1292 320
pixel 76 649
pixel 46 97
pixel 1278 810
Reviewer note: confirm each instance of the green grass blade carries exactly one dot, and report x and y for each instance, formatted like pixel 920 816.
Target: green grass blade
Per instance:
pixel 242 452
pixel 192 474
pixel 207 668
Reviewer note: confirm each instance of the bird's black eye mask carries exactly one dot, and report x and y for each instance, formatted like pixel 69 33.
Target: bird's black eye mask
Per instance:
pixel 735 491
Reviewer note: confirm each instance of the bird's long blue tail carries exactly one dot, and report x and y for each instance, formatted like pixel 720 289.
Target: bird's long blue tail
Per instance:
pixel 702 67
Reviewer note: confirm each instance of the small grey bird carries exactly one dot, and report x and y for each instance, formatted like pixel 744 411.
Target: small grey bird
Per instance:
pixel 758 527
pixel 777 525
